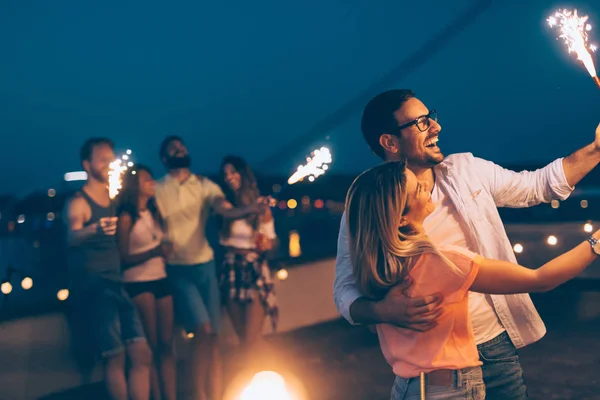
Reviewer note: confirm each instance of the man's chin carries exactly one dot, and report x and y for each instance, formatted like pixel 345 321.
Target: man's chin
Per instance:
pixel 436 158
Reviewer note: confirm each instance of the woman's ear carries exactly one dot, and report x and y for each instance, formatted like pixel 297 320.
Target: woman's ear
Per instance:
pixel 403 222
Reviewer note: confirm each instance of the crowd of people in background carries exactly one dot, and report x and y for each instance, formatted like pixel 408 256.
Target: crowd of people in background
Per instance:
pixel 141 264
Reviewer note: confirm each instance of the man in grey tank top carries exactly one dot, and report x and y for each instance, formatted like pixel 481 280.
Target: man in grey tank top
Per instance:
pixel 100 306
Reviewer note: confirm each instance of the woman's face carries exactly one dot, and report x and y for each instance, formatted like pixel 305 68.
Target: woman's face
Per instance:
pixel 232 177
pixel 419 203
pixel 146 184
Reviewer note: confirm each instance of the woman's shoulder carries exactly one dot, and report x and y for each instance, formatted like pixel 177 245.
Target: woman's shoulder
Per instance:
pixel 457 255
pixel 457 251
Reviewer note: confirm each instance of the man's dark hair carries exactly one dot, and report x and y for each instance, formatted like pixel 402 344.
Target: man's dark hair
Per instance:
pixel 165 143
pixel 85 154
pixel 378 117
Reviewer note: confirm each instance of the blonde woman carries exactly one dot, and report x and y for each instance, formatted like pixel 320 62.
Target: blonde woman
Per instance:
pixel 386 207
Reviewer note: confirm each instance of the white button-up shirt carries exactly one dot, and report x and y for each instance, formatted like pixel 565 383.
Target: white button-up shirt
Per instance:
pixel 185 208
pixel 477 187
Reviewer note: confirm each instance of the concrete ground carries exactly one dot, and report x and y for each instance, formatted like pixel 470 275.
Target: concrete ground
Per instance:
pixel 335 361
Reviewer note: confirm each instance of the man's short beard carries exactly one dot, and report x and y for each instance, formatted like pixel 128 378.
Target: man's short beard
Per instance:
pixel 97 176
pixel 435 161
pixel 174 162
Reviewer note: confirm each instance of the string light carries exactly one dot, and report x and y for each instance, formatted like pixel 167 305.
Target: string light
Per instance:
pixel 63 294
pixel 6 288
pixel 282 274
pixel 27 283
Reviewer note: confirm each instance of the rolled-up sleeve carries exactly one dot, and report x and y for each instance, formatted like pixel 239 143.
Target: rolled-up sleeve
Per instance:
pixel 525 188
pixel 345 291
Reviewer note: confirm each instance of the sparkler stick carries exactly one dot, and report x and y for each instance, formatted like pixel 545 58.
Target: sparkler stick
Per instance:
pixel 574 29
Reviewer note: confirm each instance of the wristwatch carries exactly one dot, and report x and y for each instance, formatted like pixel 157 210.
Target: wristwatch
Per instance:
pixel 595 243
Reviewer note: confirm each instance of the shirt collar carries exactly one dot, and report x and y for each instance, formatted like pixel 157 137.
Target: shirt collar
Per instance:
pixel 170 180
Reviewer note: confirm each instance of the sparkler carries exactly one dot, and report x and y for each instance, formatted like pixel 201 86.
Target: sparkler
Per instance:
pixel 115 175
pixel 574 30
pixel 315 166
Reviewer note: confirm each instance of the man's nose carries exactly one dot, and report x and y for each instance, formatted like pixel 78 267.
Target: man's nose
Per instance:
pixel 434 126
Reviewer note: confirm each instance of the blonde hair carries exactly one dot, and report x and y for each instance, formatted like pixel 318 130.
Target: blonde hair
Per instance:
pixel 382 252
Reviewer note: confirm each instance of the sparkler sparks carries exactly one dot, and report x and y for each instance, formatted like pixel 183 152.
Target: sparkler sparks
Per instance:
pixel 315 166
pixel 115 174
pixel 574 30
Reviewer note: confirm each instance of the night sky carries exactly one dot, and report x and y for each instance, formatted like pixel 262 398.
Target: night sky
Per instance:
pixel 250 77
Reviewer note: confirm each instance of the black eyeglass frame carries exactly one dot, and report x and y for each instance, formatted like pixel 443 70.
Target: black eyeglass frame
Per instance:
pixel 433 115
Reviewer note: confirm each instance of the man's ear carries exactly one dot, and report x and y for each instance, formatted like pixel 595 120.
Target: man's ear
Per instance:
pixel 389 143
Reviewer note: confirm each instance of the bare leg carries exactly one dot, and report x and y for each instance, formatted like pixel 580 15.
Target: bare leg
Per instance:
pixel 140 357
pixel 114 377
pixel 255 317
pixel 166 358
pixel 146 305
pixel 237 314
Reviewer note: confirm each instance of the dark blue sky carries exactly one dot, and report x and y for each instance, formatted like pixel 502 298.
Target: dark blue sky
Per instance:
pixel 248 77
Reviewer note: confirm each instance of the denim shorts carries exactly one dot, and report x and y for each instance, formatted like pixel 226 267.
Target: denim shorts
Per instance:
pixel 105 314
pixel 467 384
pixel 196 295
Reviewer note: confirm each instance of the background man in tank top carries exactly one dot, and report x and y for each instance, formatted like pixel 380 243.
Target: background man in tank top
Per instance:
pixel 100 305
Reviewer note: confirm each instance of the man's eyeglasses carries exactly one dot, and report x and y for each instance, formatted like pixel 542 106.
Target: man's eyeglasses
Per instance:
pixel 423 122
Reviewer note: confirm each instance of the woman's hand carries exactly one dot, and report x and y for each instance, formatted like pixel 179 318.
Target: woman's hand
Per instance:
pixel 263 244
pixel 165 249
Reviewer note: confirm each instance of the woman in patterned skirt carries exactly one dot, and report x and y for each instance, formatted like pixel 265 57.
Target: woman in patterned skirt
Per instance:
pixel 246 285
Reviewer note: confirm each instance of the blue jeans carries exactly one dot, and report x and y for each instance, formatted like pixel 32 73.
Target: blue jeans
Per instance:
pixel 502 372
pixel 196 295
pixel 467 384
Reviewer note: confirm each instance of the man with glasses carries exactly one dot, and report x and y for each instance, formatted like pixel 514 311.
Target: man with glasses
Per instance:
pixel 467 191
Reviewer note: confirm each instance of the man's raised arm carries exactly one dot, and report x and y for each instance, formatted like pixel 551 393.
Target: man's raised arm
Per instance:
pixel 529 188
pixel 225 209
pixel 580 163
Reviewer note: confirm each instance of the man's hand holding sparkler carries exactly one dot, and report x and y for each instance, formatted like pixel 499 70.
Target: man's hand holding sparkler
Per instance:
pixel 107 226
pixel 597 141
